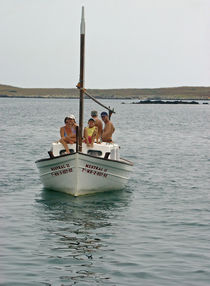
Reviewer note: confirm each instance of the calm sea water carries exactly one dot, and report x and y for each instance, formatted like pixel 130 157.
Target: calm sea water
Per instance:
pixel 154 232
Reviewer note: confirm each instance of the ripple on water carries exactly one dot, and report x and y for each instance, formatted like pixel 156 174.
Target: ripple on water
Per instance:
pixel 154 232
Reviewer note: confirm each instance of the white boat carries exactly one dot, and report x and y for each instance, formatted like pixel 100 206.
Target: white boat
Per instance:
pixel 85 170
pixel 96 169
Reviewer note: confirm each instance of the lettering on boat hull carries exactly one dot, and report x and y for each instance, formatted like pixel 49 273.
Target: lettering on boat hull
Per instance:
pixel 95 170
pixel 61 170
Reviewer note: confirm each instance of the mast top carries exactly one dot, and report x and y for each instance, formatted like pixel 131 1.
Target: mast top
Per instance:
pixel 82 25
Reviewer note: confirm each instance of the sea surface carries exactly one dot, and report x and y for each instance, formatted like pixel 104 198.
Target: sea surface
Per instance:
pixel 155 232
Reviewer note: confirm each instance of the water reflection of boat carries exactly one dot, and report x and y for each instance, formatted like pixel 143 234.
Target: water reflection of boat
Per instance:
pixel 78 239
pixel 87 169
pixel 80 233
pixel 96 214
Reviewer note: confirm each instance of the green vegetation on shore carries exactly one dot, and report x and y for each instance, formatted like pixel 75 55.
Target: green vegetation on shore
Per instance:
pixel 185 92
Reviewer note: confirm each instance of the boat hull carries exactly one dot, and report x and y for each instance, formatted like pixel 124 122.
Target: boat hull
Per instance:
pixel 80 174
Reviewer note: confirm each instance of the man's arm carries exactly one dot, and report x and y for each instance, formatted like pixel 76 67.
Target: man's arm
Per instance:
pixel 62 132
pixel 100 128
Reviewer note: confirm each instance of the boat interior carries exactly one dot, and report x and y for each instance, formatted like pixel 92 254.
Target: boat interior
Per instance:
pixel 102 150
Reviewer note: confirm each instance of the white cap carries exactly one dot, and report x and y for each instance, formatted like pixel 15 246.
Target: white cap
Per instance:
pixel 71 116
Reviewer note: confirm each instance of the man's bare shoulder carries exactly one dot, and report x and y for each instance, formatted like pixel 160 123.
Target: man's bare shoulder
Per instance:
pixel 98 121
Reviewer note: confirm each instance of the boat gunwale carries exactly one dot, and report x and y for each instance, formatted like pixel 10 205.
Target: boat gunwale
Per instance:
pixel 126 162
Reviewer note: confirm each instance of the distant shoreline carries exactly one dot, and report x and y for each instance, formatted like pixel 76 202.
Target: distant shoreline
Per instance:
pixel 120 98
pixel 172 93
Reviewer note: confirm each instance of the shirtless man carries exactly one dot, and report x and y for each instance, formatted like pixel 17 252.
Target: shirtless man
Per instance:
pixel 108 128
pixel 98 123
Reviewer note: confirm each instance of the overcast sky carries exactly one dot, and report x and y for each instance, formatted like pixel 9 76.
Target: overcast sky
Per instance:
pixel 129 43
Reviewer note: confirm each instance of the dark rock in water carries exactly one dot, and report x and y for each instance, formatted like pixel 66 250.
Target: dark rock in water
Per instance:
pixel 205 102
pixel 4 95
pixel 165 102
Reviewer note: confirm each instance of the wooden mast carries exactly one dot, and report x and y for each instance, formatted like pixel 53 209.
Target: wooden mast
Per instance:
pixel 81 80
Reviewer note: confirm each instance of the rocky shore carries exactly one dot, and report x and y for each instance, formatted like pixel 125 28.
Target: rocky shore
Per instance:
pixel 166 102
